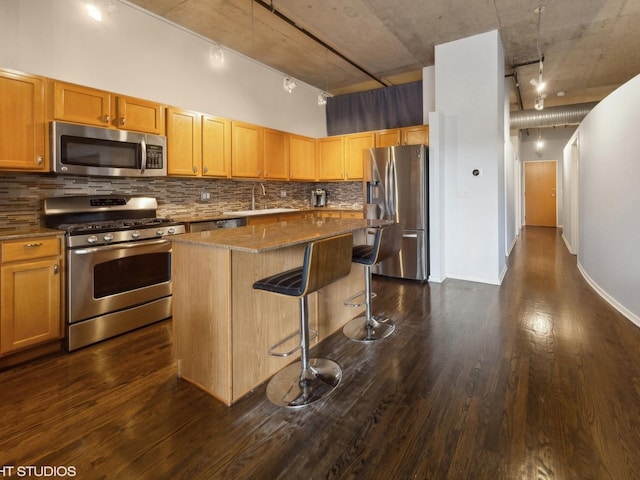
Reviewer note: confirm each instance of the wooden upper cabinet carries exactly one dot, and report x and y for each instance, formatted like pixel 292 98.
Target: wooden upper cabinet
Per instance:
pixel 330 158
pixel 139 115
pixel 388 138
pixel 184 152
pixel 78 104
pixel 216 146
pixel 416 135
pixel 276 155
pixel 247 148
pixel 355 146
pixel 89 106
pixel 302 158
pixel 22 117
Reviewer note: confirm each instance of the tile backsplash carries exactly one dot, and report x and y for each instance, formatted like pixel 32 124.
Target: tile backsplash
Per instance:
pixel 21 195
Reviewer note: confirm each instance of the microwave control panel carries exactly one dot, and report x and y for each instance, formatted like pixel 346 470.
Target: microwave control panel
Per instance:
pixel 155 157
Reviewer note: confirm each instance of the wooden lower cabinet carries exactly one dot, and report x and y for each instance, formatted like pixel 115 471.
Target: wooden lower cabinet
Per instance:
pixel 31 286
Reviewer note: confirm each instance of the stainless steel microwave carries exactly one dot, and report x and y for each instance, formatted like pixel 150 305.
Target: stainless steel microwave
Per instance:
pixel 82 150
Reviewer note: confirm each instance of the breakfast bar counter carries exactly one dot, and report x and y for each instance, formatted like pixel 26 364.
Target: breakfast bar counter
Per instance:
pixel 223 328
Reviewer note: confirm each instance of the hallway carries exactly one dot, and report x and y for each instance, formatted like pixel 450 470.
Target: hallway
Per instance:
pixel 536 379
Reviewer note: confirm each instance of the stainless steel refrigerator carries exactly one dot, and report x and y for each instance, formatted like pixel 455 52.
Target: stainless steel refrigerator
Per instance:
pixel 399 189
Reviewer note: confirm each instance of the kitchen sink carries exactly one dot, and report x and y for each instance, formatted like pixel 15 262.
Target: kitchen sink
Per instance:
pixel 262 211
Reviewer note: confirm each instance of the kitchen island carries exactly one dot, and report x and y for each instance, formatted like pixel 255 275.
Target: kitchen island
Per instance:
pixel 222 327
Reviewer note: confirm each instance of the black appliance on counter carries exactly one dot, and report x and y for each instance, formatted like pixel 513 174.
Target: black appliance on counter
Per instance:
pixel 118 264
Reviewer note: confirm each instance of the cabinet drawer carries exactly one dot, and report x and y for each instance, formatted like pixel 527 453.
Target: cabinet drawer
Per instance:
pixel 334 214
pixel 352 215
pixel 29 248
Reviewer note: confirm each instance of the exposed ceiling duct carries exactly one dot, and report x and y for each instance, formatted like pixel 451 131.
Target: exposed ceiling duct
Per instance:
pixel 551 116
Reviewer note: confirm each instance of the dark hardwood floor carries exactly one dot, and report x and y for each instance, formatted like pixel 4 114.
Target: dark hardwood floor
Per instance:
pixel 536 379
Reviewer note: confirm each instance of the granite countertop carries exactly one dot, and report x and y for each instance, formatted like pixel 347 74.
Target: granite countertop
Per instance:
pixel 27 232
pixel 271 236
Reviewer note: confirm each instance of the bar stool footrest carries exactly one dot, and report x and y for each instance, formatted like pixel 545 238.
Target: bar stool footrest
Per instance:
pixel 349 302
pixel 272 350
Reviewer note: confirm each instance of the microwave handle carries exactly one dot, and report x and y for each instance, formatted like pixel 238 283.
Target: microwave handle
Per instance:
pixel 143 146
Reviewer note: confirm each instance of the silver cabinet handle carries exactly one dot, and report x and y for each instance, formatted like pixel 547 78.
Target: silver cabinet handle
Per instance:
pixel 39 160
pixel 122 121
pixel 56 268
pixel 195 169
pixel 205 169
pixel 107 118
pixel 33 244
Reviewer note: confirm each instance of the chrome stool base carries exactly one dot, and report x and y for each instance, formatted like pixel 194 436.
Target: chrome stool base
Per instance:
pixel 287 389
pixel 361 330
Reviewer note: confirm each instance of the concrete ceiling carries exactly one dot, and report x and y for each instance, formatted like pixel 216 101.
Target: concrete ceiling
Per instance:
pixel 590 47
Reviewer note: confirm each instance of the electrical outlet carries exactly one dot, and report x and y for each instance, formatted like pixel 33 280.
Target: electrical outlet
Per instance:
pixel 204 196
pixel 283 193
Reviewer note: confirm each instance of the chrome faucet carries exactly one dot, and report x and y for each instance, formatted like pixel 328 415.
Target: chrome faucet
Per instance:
pixel 253 194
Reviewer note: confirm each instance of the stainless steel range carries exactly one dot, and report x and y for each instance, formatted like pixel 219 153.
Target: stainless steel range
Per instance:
pixel 118 264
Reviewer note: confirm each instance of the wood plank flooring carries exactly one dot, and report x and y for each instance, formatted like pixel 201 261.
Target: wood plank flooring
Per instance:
pixel 536 379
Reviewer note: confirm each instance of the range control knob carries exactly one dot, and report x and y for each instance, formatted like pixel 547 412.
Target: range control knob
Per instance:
pixel 92 239
pixel 107 238
pixel 171 230
pixel 159 232
pixel 135 234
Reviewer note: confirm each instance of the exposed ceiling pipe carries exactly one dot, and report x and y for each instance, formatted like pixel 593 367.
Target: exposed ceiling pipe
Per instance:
pixel 320 42
pixel 551 116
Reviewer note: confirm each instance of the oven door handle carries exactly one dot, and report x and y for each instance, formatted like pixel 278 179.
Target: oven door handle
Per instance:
pixel 117 246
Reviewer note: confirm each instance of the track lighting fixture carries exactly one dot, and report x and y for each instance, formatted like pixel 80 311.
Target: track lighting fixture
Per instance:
pixel 288 85
pixel 539 84
pixel 216 54
pixel 322 98
pixel 95 11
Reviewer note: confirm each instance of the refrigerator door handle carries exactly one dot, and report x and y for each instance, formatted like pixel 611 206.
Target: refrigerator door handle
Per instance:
pixel 387 184
pixel 391 188
pixel 409 235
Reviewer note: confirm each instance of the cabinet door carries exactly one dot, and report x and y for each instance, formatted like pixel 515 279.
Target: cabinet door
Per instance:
pixel 22 142
pixel 184 154
pixel 355 147
pixel 418 135
pixel 75 103
pixel 247 146
pixel 388 138
pixel 140 115
pixel 216 146
pixel 30 304
pixel 276 164
pixel 331 158
pixel 302 158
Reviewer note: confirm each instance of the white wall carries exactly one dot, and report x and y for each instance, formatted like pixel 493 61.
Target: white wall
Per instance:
pixel 609 198
pixel 138 54
pixel 471 109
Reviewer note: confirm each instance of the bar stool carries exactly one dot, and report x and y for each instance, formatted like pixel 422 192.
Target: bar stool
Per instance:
pixel 308 380
pixel 368 328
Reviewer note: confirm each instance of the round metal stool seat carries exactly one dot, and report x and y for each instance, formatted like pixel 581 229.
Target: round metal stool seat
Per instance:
pixel 292 388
